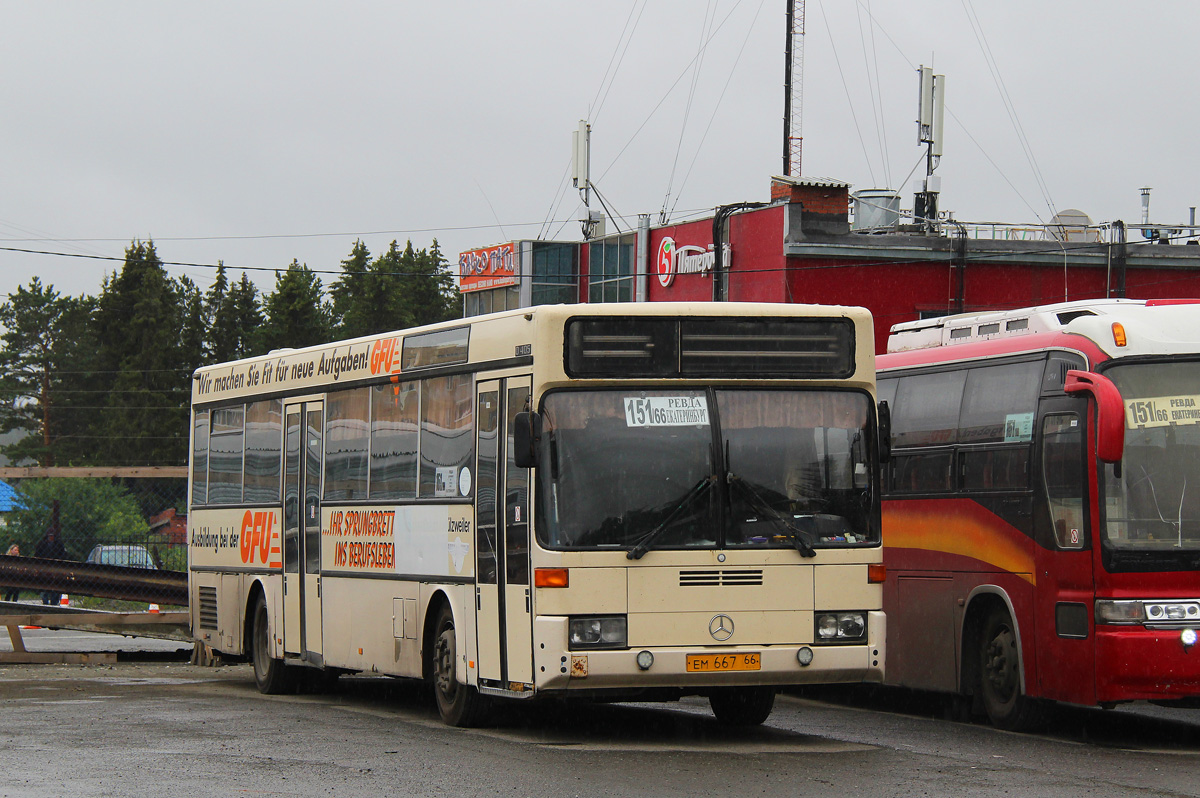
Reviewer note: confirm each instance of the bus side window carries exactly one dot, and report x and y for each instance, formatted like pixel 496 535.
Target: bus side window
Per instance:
pixel 1063 478
pixel 200 458
pixel 927 472
pixel 926 409
pixel 995 468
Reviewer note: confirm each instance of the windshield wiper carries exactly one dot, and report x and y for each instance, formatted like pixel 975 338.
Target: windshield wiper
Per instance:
pixel 800 538
pixel 696 491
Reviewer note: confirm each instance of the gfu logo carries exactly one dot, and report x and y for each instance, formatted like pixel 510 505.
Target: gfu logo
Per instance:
pixel 684 259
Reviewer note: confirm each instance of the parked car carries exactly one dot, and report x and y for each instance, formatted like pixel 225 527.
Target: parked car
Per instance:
pixel 128 556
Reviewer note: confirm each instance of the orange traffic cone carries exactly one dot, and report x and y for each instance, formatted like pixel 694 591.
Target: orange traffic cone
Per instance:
pixel 153 608
pixel 63 601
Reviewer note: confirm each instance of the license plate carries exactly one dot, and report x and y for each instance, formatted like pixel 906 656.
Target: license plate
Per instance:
pixel 713 663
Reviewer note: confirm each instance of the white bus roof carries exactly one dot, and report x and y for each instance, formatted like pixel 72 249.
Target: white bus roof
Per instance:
pixel 1151 326
pixel 496 336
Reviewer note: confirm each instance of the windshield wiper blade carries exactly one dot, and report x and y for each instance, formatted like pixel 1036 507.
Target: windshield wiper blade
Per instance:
pixel 643 544
pixel 800 538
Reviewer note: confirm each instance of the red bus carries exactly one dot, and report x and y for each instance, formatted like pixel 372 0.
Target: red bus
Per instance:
pixel 1041 511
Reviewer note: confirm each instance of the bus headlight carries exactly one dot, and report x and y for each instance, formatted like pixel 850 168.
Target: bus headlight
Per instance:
pixel 1133 611
pixel 601 631
pixel 1172 611
pixel 841 627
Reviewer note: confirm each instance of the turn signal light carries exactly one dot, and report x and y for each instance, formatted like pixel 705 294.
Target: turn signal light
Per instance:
pixel 550 577
pixel 1118 333
pixel 876 573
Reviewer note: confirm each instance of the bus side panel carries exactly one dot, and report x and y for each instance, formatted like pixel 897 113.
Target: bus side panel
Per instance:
pixel 374 630
pixel 922 640
pixel 204 607
pixel 938 553
pixel 219 609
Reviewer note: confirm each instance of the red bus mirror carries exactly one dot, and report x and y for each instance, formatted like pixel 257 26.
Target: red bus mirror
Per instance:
pixel 1110 412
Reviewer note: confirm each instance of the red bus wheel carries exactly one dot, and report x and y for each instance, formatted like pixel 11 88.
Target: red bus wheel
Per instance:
pixel 1000 676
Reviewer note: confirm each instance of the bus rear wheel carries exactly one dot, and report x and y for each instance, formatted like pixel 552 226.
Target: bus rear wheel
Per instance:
pixel 742 706
pixel 270 674
pixel 1000 676
pixel 458 704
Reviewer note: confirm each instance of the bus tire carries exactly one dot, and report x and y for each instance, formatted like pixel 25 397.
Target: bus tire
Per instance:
pixel 742 706
pixel 271 675
pixel 1000 676
pixel 458 704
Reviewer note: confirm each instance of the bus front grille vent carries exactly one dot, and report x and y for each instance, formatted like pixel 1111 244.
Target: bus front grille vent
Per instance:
pixel 208 608
pixel 720 578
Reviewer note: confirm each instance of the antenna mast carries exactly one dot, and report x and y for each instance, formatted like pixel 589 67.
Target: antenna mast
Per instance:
pixel 793 89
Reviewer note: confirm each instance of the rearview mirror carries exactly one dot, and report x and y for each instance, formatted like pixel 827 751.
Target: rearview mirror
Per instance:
pixel 1110 412
pixel 885 432
pixel 526 434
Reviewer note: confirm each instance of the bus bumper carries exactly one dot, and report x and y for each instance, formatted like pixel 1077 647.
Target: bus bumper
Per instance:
pixel 559 669
pixel 1134 663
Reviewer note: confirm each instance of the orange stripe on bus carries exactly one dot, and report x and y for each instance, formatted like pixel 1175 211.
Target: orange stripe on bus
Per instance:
pixel 960 527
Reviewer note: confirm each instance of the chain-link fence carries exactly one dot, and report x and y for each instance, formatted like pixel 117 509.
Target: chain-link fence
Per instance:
pixel 110 542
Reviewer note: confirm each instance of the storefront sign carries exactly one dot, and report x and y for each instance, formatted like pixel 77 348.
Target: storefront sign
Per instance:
pixel 490 267
pixel 685 259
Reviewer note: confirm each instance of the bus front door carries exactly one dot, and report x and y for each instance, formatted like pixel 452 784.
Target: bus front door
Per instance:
pixel 1065 586
pixel 503 602
pixel 302 458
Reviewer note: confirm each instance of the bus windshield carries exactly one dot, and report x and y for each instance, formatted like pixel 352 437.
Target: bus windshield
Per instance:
pixel 1152 511
pixel 692 468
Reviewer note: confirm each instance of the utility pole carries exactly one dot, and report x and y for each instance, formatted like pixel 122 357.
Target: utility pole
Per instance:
pixel 592 222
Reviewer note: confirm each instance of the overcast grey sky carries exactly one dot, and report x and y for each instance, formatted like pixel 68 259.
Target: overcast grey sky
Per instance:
pixel 255 133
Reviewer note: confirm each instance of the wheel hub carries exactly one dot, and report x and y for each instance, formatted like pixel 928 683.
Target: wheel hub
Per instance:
pixel 999 667
pixel 443 653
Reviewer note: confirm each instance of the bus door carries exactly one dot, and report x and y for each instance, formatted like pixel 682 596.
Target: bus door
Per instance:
pixel 1065 584
pixel 302 458
pixel 503 602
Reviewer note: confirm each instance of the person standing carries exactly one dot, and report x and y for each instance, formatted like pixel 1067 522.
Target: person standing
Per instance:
pixel 13 593
pixel 50 547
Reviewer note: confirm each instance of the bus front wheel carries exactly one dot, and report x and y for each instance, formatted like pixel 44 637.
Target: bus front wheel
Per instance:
pixel 270 675
pixel 458 704
pixel 1000 676
pixel 742 706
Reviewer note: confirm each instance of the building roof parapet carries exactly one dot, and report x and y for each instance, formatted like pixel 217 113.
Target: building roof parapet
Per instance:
pixel 909 248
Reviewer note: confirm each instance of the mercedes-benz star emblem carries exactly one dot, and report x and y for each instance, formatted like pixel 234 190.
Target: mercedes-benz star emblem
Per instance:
pixel 721 628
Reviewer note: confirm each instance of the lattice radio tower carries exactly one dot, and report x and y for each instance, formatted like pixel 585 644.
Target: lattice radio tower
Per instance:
pixel 793 89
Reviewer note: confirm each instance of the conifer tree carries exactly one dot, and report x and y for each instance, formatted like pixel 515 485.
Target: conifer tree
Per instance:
pixel 39 381
pixel 296 313
pixel 246 316
pixel 220 335
pixel 234 316
pixel 193 335
pixel 140 361
pixel 356 294
pixel 432 295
